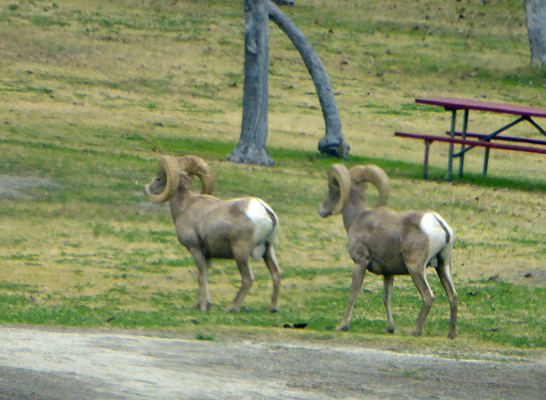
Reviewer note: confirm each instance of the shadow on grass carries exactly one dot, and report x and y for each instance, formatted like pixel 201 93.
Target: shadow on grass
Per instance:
pixel 219 150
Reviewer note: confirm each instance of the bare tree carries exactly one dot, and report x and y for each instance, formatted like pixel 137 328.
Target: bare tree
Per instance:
pixel 535 15
pixel 252 146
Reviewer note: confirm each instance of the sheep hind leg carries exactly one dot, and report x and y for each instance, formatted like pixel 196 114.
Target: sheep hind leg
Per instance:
pixel 246 282
pixel 358 277
pixel 419 278
pixel 388 282
pixel 273 266
pixel 444 273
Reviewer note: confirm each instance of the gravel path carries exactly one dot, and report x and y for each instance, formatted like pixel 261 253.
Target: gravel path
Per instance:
pixel 40 364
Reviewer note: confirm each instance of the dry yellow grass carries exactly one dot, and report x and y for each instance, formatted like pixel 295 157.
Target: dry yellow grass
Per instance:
pixel 97 81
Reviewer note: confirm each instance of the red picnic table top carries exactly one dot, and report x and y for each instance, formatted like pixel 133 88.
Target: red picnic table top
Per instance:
pixel 454 103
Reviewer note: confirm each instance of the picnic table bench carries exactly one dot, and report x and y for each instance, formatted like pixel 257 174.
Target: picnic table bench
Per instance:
pixel 468 140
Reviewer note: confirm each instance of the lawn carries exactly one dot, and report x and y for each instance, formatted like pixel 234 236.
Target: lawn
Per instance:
pixel 93 93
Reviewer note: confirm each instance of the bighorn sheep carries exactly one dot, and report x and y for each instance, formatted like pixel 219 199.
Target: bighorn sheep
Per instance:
pixel 212 228
pixel 389 243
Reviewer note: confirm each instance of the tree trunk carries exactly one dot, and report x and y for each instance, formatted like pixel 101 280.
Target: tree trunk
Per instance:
pixel 535 15
pixel 333 142
pixel 252 146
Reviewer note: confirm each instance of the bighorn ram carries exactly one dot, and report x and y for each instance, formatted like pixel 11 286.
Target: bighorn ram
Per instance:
pixel 212 228
pixel 389 243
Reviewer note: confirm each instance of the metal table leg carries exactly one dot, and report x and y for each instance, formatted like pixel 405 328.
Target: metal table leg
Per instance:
pixel 425 163
pixel 452 135
pixel 463 136
pixel 485 160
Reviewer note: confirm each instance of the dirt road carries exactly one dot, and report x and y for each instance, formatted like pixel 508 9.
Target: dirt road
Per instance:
pixel 37 364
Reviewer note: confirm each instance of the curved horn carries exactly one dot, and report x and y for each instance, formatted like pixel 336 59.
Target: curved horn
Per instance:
pixel 194 165
pixel 168 177
pixel 377 177
pixel 338 176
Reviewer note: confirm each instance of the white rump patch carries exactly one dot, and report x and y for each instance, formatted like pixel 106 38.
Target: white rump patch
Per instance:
pixel 265 229
pixel 438 238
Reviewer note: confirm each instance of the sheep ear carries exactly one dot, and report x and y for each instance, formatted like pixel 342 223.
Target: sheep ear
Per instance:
pixel 169 172
pixel 196 166
pixel 339 177
pixel 377 177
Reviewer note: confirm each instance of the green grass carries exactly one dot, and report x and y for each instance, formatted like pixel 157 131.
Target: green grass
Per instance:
pixel 490 311
pixel 92 94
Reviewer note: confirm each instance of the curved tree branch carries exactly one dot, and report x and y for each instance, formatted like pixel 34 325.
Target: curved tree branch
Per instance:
pixel 333 142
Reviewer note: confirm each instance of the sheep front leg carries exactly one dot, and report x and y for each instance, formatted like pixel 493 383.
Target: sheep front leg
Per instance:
pixel 358 277
pixel 202 263
pixel 388 282
pixel 271 263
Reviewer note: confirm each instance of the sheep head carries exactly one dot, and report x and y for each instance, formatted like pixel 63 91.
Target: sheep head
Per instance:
pixel 339 189
pixel 173 173
pixel 341 182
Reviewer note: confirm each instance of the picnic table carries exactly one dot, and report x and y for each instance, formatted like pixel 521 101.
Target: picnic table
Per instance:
pixel 468 140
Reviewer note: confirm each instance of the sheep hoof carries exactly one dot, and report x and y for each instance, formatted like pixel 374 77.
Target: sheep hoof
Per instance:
pixel 416 333
pixel 273 311
pixel 452 335
pixel 390 330
pixel 344 328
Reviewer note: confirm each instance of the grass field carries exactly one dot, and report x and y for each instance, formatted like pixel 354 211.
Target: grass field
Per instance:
pixel 92 93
